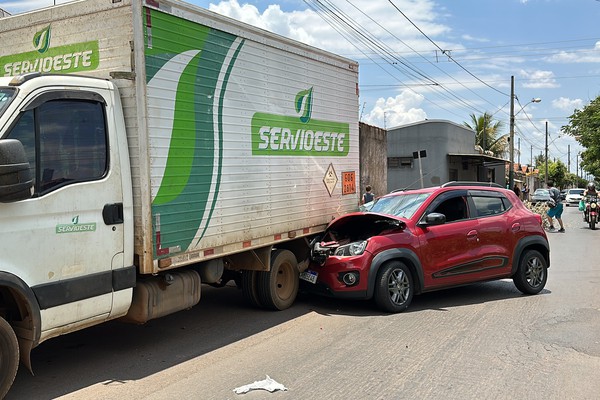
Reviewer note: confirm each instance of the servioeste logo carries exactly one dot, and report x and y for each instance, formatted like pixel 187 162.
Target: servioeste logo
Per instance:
pixel 282 135
pixel 69 58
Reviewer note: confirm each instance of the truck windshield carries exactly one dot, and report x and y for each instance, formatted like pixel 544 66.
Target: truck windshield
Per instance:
pixel 6 95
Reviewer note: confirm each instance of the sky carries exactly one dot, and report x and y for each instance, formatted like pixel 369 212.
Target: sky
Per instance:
pixel 447 59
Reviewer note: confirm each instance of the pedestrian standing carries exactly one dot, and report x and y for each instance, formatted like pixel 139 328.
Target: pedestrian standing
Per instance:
pixel 517 191
pixel 367 196
pixel 556 208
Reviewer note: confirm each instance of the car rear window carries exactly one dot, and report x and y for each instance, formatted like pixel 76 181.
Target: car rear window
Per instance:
pixel 576 191
pixel 488 205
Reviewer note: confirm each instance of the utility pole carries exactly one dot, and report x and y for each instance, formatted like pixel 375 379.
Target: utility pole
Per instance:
pixel 546 177
pixel 511 173
pixel 531 156
pixel 569 157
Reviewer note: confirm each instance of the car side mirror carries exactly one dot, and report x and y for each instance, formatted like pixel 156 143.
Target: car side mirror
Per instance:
pixel 433 219
pixel 16 179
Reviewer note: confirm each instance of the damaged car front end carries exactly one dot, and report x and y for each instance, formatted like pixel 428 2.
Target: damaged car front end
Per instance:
pixel 341 257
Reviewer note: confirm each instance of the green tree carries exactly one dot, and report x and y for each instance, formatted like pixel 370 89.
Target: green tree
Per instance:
pixel 486 133
pixel 557 172
pixel 584 126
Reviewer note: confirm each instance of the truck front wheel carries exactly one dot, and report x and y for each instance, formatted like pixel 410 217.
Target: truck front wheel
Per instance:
pixel 278 288
pixel 9 356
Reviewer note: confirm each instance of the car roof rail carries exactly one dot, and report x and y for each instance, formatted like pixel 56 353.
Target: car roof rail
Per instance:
pixel 467 183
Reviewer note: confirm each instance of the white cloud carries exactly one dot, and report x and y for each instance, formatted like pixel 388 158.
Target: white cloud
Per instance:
pixel 309 27
pixel 539 79
pixel 566 104
pixel 578 56
pixel 394 111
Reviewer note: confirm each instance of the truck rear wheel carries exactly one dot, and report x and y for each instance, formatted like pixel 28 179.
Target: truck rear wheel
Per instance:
pixel 249 288
pixel 9 357
pixel 278 288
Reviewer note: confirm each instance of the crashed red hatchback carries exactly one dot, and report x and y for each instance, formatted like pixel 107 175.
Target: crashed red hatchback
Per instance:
pixel 417 241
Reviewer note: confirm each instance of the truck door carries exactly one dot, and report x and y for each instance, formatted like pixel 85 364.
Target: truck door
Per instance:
pixel 68 237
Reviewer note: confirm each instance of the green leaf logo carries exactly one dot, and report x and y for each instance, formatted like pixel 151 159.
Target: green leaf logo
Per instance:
pixel 75 220
pixel 304 98
pixel 41 40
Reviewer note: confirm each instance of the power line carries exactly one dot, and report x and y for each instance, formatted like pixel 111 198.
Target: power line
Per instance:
pixel 445 52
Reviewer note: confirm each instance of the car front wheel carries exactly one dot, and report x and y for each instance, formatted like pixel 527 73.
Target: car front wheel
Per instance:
pixel 532 272
pixel 394 287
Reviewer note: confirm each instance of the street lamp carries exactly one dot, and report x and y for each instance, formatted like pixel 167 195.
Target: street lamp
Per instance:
pixel 511 169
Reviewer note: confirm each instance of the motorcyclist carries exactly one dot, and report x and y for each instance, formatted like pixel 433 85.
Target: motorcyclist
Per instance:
pixel 590 191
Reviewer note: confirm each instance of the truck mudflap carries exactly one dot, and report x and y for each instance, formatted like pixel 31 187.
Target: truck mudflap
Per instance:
pixel 162 295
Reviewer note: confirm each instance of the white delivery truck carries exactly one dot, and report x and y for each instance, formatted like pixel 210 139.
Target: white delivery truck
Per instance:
pixel 149 147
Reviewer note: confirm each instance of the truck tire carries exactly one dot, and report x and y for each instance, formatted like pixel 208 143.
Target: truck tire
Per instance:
pixel 9 357
pixel 278 288
pixel 250 288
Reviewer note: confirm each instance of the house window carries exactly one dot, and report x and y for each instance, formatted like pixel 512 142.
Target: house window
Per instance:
pixel 400 162
pixel 452 174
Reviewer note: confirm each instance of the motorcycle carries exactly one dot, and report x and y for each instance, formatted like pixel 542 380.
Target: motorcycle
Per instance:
pixel 592 214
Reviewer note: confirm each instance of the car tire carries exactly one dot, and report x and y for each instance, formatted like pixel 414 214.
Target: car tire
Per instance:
pixel 278 288
pixel 532 272
pixel 394 287
pixel 9 356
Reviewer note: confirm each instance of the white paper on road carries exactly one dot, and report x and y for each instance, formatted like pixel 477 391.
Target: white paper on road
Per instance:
pixel 266 384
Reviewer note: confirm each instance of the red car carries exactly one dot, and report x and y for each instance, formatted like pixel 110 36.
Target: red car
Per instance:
pixel 417 241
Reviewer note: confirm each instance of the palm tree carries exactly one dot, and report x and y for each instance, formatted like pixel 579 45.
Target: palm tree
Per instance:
pixel 486 134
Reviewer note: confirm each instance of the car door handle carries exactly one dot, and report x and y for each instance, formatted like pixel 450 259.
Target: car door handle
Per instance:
pixel 113 214
pixel 516 227
pixel 472 235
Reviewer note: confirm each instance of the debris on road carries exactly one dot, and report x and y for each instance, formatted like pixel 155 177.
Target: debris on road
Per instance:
pixel 266 384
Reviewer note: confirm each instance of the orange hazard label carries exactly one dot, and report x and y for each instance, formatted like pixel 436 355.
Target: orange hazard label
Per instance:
pixel 348 182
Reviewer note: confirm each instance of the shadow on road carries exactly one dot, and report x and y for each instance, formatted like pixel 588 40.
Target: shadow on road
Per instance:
pixel 115 352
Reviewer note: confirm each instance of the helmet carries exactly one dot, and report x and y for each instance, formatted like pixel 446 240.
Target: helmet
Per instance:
pixel 591 186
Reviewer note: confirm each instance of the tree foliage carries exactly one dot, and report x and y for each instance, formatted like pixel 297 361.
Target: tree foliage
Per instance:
pixel 486 133
pixel 557 172
pixel 584 126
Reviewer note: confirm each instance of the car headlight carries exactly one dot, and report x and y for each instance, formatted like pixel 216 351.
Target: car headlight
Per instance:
pixel 352 249
pixel 593 205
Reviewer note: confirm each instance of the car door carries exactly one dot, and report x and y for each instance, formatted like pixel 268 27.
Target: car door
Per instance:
pixel 448 252
pixel 496 233
pixel 60 242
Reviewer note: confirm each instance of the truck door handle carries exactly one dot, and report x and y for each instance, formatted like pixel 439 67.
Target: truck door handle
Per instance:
pixel 113 213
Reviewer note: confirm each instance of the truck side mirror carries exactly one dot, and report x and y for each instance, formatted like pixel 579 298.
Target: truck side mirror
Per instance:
pixel 16 179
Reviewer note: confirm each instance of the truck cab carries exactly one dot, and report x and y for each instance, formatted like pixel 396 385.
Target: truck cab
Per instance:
pixel 65 205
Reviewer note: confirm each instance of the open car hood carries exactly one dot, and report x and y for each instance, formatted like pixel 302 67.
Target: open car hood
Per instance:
pixel 361 221
pixel 350 228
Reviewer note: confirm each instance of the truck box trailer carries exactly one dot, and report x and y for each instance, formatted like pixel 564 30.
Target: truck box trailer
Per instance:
pixel 149 147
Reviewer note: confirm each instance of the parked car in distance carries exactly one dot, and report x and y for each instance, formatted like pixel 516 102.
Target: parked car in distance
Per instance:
pixel 574 196
pixel 416 241
pixel 540 196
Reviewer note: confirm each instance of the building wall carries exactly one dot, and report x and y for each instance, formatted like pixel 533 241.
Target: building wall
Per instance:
pixel 438 138
pixel 373 158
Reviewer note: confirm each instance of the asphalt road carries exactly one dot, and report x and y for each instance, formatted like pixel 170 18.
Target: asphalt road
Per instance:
pixel 484 341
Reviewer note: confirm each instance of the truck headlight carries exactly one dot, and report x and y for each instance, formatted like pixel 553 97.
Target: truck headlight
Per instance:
pixel 352 249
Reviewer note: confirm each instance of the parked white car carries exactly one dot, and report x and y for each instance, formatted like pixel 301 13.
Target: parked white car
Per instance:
pixel 574 196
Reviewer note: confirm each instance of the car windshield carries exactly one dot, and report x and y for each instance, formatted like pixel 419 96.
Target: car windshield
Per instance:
pixel 6 95
pixel 542 192
pixel 576 191
pixel 402 205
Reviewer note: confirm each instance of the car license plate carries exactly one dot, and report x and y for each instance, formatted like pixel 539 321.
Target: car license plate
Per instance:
pixel 309 276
